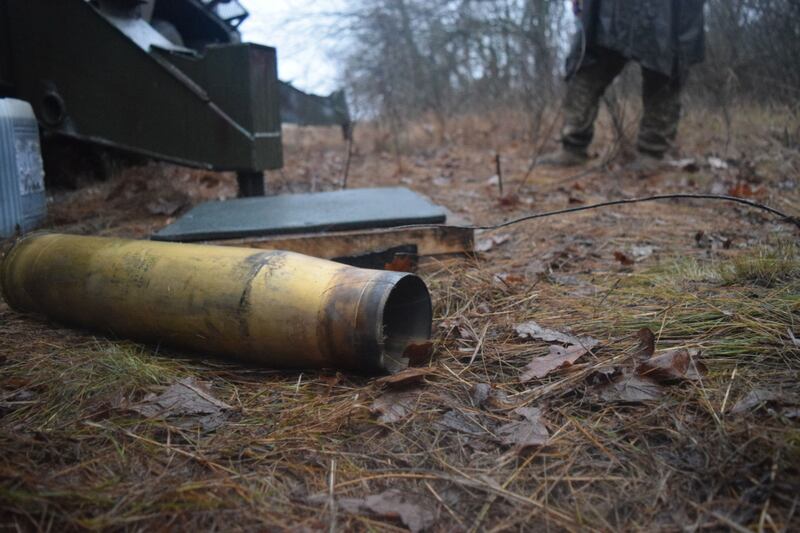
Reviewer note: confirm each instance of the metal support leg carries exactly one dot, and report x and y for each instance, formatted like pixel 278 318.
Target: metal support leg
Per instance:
pixel 250 184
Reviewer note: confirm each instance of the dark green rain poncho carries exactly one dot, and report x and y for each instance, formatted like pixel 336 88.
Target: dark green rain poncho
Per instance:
pixel 667 36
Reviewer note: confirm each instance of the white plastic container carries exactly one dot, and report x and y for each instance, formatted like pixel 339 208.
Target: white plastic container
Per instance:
pixel 23 204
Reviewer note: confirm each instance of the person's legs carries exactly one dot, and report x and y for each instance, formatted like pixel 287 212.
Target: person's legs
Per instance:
pixel 581 106
pixel 661 96
pixel 583 98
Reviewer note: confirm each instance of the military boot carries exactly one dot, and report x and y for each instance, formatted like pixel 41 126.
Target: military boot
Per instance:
pixel 563 157
pixel 645 164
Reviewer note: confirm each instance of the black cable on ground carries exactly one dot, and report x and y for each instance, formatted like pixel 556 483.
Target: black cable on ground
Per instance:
pixel 719 197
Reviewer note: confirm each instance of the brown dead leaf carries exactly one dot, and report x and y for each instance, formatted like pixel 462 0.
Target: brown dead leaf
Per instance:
pixel 509 200
pixel 461 422
pixel 484 395
pixel 409 376
pixel 755 398
pixel 509 279
pixel 525 433
pixel 647 344
pixel 418 353
pixel 758 397
pixel 168 205
pixel 209 181
pixel 534 331
pixel 401 263
pixel 574 200
pixel 631 389
pixel 791 412
pixel 480 394
pixel 559 357
pixel 742 190
pixel 414 511
pixel 672 365
pixel 623 259
pixel 394 406
pixel 485 245
pixel 189 401
pixel 331 381
pixel 712 241
pixel 499 400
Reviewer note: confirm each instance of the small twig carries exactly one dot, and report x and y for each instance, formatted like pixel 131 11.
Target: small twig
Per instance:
pixel 499 171
pixel 728 391
pixel 350 140
pixel 331 496
pixel 477 348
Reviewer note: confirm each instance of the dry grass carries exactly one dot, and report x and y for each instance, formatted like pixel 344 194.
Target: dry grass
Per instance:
pixel 76 457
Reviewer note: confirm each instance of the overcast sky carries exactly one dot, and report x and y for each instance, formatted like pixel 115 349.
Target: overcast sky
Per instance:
pixel 304 55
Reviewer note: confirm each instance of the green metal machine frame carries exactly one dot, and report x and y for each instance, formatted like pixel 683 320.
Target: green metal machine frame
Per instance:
pixel 100 72
pixel 167 79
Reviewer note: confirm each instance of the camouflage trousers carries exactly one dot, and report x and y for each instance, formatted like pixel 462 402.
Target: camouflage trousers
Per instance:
pixel 661 96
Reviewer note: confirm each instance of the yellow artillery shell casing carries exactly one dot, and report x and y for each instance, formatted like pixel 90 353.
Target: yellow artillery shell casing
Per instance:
pixel 273 308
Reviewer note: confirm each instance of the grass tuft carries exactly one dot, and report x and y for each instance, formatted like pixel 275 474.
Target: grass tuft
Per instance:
pixel 766 268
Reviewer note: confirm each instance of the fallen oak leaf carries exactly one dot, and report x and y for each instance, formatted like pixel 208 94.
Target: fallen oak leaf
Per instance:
pixel 753 399
pixel 574 200
pixel 331 381
pixel 791 412
pixel 757 397
pixel 401 263
pixel 412 510
pixel 165 206
pixel 409 376
pixel 743 190
pixel 623 259
pixel 672 365
pixel 458 421
pixel 509 200
pixel 188 400
pixel 647 344
pixel 559 357
pixel 485 245
pixel 526 433
pixel 508 279
pixel 486 396
pixel 631 389
pixel 499 400
pixel 479 394
pixel 394 406
pixel 533 330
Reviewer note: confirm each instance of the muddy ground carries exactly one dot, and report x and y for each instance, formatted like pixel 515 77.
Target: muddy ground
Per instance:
pixel 489 436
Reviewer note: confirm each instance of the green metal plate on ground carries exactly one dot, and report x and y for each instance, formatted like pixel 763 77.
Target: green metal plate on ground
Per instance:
pixel 303 213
